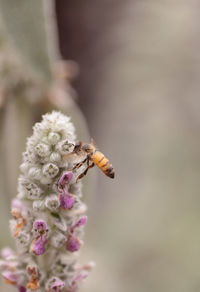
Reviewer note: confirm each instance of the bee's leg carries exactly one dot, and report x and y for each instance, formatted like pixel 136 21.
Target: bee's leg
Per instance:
pixel 78 165
pixel 85 172
pixel 92 165
pixel 88 161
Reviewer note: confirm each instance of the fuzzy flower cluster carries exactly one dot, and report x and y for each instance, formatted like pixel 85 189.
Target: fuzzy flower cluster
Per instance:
pixel 48 214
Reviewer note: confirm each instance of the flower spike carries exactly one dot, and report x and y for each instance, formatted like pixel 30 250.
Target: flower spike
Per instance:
pixel 48 214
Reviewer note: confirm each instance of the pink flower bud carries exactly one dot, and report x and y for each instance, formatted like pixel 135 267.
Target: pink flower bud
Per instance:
pixel 57 286
pixel 66 200
pixel 10 277
pixel 76 280
pixel 81 221
pixel 65 179
pixel 6 252
pixel 17 204
pixel 73 243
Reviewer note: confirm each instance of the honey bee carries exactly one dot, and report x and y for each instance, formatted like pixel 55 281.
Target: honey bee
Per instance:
pixel 92 155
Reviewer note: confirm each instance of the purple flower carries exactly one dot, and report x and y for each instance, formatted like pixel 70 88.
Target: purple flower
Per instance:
pixel 73 243
pixel 21 289
pixel 38 246
pixel 6 252
pixel 81 221
pixel 65 179
pixel 10 277
pixel 40 225
pixel 66 200
pixel 57 286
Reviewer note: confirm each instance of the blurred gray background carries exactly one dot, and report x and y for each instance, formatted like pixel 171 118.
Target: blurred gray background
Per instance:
pixel 138 88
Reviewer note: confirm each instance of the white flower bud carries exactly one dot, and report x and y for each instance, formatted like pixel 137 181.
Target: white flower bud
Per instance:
pixel 58 239
pixel 65 147
pixel 64 265
pixel 24 167
pixel 54 138
pixel 45 180
pixel 50 170
pixel 52 202
pixel 55 186
pixel 34 173
pixel 75 188
pixel 30 190
pixel 55 157
pixel 59 222
pixel 80 210
pixel 23 239
pixel 42 149
pixel 39 205
pixel 27 157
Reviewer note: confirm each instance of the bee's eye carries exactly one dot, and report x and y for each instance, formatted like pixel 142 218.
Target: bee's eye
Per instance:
pixel 86 148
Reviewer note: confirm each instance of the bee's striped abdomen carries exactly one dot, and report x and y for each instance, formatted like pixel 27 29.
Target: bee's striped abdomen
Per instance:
pixel 103 163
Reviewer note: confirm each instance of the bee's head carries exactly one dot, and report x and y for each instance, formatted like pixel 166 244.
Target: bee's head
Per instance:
pixel 87 148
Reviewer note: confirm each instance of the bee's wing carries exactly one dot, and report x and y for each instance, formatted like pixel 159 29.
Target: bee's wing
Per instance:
pixel 93 143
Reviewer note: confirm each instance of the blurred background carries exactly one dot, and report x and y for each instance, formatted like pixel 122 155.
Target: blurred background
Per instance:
pixel 133 85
